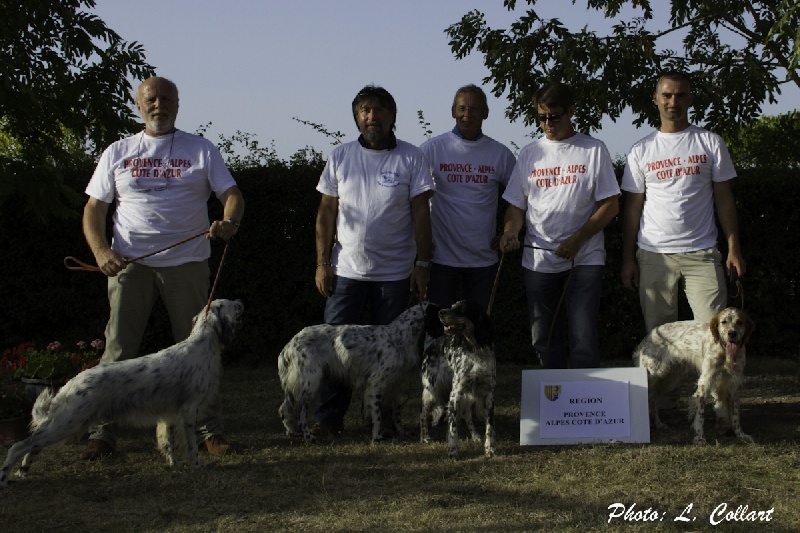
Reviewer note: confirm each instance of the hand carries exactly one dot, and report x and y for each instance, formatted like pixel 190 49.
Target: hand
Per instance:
pixel 420 277
pixel 568 249
pixel 509 241
pixel 630 274
pixel 110 262
pixel 222 229
pixel 735 262
pixel 324 280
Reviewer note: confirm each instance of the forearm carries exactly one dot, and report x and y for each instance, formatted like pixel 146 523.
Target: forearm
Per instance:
pixel 726 212
pixel 233 204
pixel 94 229
pixel 421 213
pixel 94 226
pixel 634 204
pixel 601 218
pixel 325 228
pixel 513 220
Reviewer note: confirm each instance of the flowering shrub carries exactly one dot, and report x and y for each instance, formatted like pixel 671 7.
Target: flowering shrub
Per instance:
pixel 52 363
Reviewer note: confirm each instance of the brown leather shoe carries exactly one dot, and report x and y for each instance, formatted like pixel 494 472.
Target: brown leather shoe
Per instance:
pixel 96 449
pixel 217 445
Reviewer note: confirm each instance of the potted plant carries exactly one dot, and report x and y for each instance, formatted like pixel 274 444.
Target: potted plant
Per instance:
pixel 51 366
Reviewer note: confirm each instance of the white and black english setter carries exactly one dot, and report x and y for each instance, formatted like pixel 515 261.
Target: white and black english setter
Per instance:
pixel 715 350
pixel 373 358
pixel 459 372
pixel 171 389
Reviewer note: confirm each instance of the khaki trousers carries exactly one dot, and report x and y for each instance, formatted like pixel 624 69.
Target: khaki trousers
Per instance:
pixel 699 273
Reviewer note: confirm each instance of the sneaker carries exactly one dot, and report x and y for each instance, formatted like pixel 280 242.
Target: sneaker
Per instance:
pixel 96 449
pixel 217 445
pixel 327 429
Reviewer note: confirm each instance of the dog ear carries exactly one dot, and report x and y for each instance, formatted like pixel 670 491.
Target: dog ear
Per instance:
pixel 714 326
pixel 223 326
pixel 749 327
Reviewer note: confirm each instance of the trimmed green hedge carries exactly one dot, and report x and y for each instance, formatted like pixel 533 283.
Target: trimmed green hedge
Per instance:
pixel 270 265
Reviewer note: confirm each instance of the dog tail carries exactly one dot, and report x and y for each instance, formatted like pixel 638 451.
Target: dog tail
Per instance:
pixel 41 407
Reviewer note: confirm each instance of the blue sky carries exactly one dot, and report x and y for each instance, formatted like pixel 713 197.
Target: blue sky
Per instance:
pixel 253 65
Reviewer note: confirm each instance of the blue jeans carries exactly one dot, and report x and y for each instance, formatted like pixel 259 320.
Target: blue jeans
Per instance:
pixel 386 299
pixel 577 315
pixel 477 283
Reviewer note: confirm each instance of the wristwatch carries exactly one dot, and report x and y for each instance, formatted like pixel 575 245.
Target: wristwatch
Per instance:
pixel 423 264
pixel 233 221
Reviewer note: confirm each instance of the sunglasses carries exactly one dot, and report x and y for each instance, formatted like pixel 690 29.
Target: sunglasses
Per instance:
pixel 554 119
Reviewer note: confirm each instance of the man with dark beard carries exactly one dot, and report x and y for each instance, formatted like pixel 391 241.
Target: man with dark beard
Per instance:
pixel 373 234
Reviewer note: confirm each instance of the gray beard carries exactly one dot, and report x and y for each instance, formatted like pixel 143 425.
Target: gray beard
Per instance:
pixel 372 136
pixel 160 127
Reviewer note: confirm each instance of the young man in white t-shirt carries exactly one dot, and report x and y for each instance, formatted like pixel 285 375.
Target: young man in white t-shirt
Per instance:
pixel 563 191
pixel 674 178
pixel 373 231
pixel 470 169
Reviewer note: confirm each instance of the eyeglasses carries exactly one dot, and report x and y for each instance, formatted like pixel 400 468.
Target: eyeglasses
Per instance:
pixel 554 119
pixel 157 184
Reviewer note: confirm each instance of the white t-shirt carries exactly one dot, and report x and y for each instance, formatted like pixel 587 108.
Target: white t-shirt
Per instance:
pixel 468 177
pixel 560 185
pixel 161 186
pixel 676 171
pixel 374 226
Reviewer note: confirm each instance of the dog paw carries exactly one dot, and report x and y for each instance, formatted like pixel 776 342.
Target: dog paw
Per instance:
pixel 700 441
pixel 744 437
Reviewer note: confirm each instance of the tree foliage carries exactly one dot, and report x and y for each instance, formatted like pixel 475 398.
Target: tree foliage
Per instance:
pixel 65 94
pixel 770 143
pixel 739 54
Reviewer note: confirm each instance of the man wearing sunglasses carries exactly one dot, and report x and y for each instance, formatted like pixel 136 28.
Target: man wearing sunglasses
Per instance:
pixel 563 191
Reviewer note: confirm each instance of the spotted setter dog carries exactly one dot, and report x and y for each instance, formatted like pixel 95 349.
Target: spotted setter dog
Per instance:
pixel 459 375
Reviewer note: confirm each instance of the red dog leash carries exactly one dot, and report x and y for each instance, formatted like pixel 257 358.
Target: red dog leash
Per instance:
pixel 76 264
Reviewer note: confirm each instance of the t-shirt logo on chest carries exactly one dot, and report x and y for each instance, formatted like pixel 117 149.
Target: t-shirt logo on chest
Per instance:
pixel 389 179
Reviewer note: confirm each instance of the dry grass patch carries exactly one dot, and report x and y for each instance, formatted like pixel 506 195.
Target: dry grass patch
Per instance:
pixel 273 484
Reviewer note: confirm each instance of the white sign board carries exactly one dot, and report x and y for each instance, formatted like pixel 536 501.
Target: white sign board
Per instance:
pixel 584 406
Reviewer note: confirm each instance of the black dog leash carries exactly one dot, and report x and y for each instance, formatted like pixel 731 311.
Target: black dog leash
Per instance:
pixel 560 300
pixel 735 281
